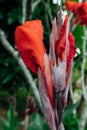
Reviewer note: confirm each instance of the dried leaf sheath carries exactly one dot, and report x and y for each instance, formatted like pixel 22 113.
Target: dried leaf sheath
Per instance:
pixel 46 105
pixel 53 39
pixel 47 75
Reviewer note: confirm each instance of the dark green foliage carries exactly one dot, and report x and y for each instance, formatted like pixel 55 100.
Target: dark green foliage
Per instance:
pixel 71 122
pixel 70 117
pixel 11 123
pixel 37 122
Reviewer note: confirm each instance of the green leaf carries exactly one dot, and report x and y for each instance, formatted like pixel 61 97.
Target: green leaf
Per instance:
pixel 69 110
pixel 5 124
pixel 21 123
pixel 37 122
pixel 34 127
pixel 8 78
pixel 11 123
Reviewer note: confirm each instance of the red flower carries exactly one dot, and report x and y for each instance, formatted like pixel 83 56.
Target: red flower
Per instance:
pixel 61 42
pixel 51 75
pixel 82 8
pixel 29 41
pixel 83 22
pixel 79 10
pixel 71 6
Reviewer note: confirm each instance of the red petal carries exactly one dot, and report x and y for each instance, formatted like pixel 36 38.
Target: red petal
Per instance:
pixel 29 41
pixel 61 43
pixel 71 5
pixel 35 26
pixel 79 10
pixel 72 50
pixel 83 19
pixel 82 8
pixel 82 14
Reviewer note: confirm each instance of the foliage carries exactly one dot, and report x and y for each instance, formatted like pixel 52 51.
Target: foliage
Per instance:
pixel 37 122
pixel 70 117
pixel 12 122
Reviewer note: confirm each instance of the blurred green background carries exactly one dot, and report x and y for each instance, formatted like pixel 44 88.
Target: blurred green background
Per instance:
pixel 14 89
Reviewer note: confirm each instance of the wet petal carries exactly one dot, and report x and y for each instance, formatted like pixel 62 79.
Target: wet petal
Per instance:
pixel 29 41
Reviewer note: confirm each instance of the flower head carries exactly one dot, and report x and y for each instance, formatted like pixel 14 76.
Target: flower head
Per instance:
pixel 29 41
pixel 79 10
pixel 52 71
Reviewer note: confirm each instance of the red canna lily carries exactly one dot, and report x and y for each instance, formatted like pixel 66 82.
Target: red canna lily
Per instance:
pixel 82 8
pixel 79 10
pixel 29 41
pixel 61 44
pixel 53 71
